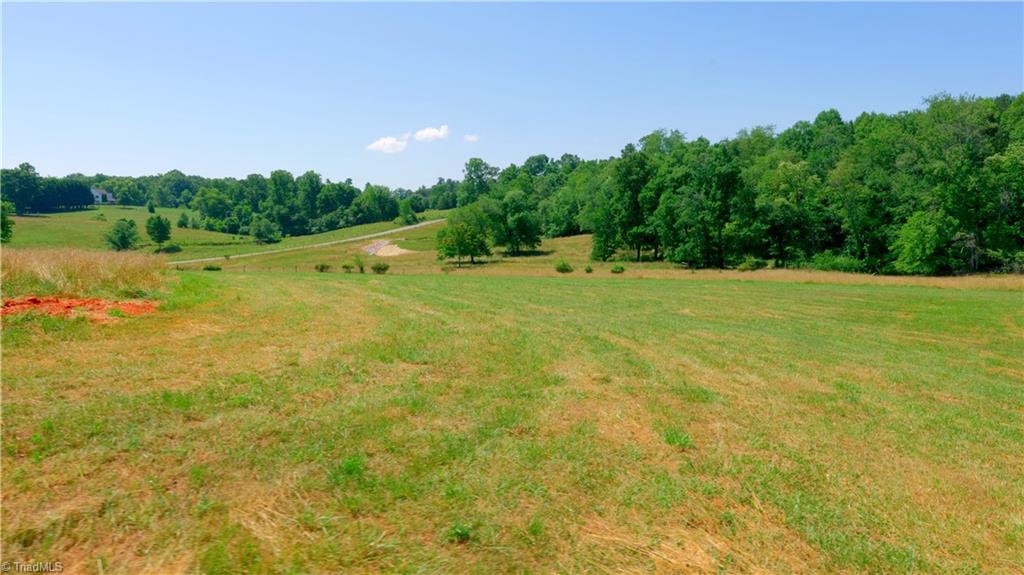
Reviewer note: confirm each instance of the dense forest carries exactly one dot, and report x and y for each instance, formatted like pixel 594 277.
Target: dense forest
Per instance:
pixel 932 191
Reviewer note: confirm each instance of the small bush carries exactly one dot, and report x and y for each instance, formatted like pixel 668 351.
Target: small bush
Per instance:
pixel 211 268
pixel 827 261
pixel 459 533
pixel 1009 262
pixel 322 268
pixel 359 263
pixel 563 267
pixel 169 249
pixel 100 217
pixel 589 269
pixel 751 263
pixel 380 267
pixel 617 269
pixel 347 267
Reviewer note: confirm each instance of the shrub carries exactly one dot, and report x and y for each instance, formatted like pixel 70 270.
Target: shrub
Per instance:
pixel 322 268
pixel 589 269
pixel 359 263
pixel 751 263
pixel 1008 262
pixel 169 249
pixel 158 228
pixel 76 272
pixel 123 235
pixel 347 267
pixel 617 269
pixel 211 268
pixel 827 261
pixel 100 217
pixel 563 267
pixel 380 267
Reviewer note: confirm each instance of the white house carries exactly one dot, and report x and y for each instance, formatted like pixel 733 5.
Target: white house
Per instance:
pixel 101 196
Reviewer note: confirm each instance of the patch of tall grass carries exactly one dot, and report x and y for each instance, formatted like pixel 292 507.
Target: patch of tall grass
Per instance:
pixel 78 272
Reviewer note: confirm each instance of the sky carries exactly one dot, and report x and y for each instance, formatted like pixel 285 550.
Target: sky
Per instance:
pixel 401 94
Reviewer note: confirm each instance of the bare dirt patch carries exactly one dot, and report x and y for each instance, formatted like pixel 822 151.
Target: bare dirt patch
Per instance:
pixel 95 309
pixel 385 248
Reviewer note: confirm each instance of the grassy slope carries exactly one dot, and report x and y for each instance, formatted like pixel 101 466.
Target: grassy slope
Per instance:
pixel 326 422
pixel 83 229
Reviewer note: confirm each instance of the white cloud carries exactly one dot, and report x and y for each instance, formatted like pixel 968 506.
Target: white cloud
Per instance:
pixel 390 144
pixel 471 138
pixel 431 134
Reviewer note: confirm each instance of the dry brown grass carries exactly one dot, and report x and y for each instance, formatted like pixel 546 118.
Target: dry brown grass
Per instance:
pixel 78 272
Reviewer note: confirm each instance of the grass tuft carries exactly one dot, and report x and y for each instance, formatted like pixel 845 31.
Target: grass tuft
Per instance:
pixel 680 439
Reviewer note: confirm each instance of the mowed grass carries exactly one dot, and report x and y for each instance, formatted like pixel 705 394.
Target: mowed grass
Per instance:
pixel 574 250
pixel 303 422
pixel 87 229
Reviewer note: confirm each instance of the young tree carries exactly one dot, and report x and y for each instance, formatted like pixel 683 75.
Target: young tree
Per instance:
pixel 158 228
pixel 466 235
pixel 150 207
pixel 183 220
pixel 631 207
pixel 461 240
pixel 6 223
pixel 123 235
pixel 406 215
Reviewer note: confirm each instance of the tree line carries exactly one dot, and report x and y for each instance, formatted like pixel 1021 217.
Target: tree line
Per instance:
pixel 933 191
pixel 265 207
pixel 930 191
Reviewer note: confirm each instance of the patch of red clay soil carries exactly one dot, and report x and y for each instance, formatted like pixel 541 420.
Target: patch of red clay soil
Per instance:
pixel 94 308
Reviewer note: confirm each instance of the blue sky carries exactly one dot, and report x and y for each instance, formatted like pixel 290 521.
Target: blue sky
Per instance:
pixel 232 89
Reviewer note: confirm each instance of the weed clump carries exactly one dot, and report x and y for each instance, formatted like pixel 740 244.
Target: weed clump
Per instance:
pixel 211 268
pixel 563 267
pixel 589 269
pixel 459 533
pixel 347 267
pixel 380 268
pixel 322 268
pixel 359 263
pixel 617 269
pixel 679 439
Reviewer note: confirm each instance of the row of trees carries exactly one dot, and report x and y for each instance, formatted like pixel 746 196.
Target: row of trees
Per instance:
pixel 932 191
pixel 29 192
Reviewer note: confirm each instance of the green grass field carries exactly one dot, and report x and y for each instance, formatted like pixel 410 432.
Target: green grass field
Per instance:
pixel 497 420
pixel 86 228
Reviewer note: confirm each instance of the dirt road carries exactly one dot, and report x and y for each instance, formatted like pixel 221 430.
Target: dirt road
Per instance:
pixel 307 247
